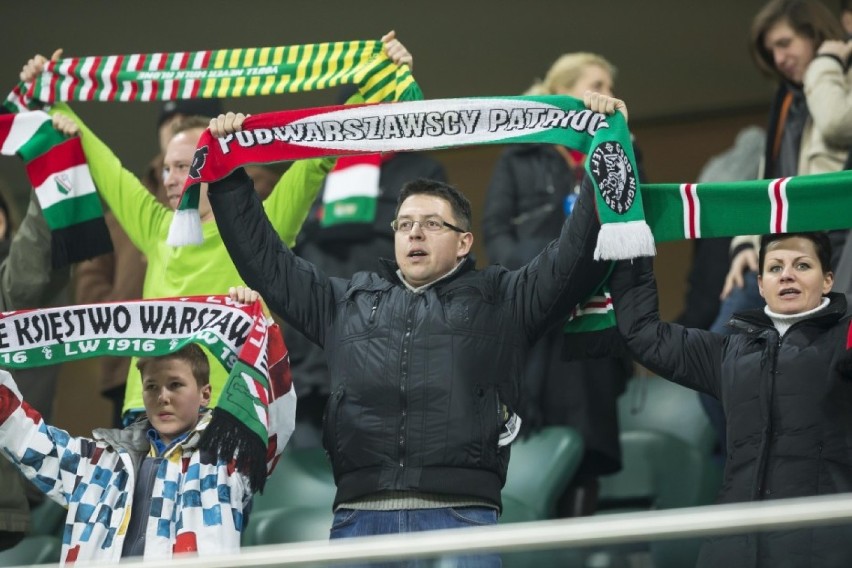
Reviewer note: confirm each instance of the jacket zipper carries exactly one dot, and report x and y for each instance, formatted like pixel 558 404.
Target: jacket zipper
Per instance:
pixel 407 339
pixel 768 430
pixel 375 307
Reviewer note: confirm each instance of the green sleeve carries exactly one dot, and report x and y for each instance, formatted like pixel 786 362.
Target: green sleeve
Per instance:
pixel 137 211
pixel 290 201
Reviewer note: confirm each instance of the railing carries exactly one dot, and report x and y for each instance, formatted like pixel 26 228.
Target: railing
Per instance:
pixel 566 533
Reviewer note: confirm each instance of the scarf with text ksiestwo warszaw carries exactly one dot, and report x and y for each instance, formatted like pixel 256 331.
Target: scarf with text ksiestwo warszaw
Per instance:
pixel 256 411
pixel 60 174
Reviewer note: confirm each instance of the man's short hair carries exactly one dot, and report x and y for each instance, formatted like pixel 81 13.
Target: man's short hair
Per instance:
pixel 458 202
pixel 191 354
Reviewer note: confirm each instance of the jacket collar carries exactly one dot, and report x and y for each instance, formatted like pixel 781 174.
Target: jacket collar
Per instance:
pixel 134 438
pixel 388 269
pixel 755 320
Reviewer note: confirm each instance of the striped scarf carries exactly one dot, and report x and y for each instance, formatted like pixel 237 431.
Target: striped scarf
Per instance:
pixel 223 73
pixel 256 396
pixel 57 170
pixel 672 211
pixel 78 228
pixel 426 125
pixel 725 209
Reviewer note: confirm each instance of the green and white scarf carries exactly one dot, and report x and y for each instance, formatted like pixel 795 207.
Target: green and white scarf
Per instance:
pixel 237 335
pixel 77 224
pixel 225 73
pixel 674 212
pixel 427 125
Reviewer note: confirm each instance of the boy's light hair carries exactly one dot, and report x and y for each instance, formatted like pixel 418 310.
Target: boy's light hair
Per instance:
pixel 192 354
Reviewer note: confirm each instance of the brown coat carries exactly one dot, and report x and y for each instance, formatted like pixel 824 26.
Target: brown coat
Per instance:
pixel 110 278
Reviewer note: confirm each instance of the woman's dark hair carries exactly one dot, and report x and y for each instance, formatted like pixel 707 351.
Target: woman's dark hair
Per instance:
pixel 821 242
pixel 809 18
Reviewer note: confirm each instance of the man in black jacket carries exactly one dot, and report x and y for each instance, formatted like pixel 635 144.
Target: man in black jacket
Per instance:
pixel 425 356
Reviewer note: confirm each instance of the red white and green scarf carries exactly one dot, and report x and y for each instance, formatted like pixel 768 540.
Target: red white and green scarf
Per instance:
pixel 256 411
pixel 56 167
pixel 223 73
pixel 630 221
pixel 79 231
pixel 426 125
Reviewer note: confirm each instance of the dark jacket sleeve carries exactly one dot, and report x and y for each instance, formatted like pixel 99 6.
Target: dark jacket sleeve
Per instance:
pixel 562 275
pixel 291 286
pixel 691 357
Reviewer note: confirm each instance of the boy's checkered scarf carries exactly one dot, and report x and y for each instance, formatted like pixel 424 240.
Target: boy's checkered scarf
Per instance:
pixel 237 335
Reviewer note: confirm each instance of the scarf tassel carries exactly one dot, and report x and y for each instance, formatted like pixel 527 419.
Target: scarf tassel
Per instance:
pixel 186 227
pixel 622 241
pixel 230 439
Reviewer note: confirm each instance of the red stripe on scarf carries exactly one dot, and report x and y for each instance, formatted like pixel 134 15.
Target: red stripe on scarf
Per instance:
pixel 9 403
pixel 113 78
pixel 75 82
pixel 52 89
pixel 61 157
pixel 690 202
pixel 93 75
pixel 6 121
pixel 599 305
pixel 777 225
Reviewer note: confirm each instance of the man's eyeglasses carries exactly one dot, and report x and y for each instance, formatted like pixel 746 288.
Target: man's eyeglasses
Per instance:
pixel 430 224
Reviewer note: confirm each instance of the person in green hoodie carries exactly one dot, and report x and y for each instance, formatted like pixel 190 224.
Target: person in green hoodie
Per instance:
pixel 195 269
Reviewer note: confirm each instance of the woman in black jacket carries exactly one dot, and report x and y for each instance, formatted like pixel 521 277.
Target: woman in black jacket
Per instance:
pixel 784 383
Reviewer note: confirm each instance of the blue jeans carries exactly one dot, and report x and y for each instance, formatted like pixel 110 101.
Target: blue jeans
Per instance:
pixel 353 523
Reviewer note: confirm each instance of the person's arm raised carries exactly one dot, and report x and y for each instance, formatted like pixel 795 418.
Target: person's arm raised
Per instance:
pixel 292 287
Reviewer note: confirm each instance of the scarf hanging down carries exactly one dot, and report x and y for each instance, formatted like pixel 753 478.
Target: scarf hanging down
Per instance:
pixel 433 124
pixel 60 174
pixel 57 170
pixel 256 410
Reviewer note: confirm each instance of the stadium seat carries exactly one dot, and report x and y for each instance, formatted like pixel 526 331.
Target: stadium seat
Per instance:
pixel 296 502
pixel 47 519
pixel 302 478
pixel 540 468
pixel 290 524
pixel 33 550
pixel 667 455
